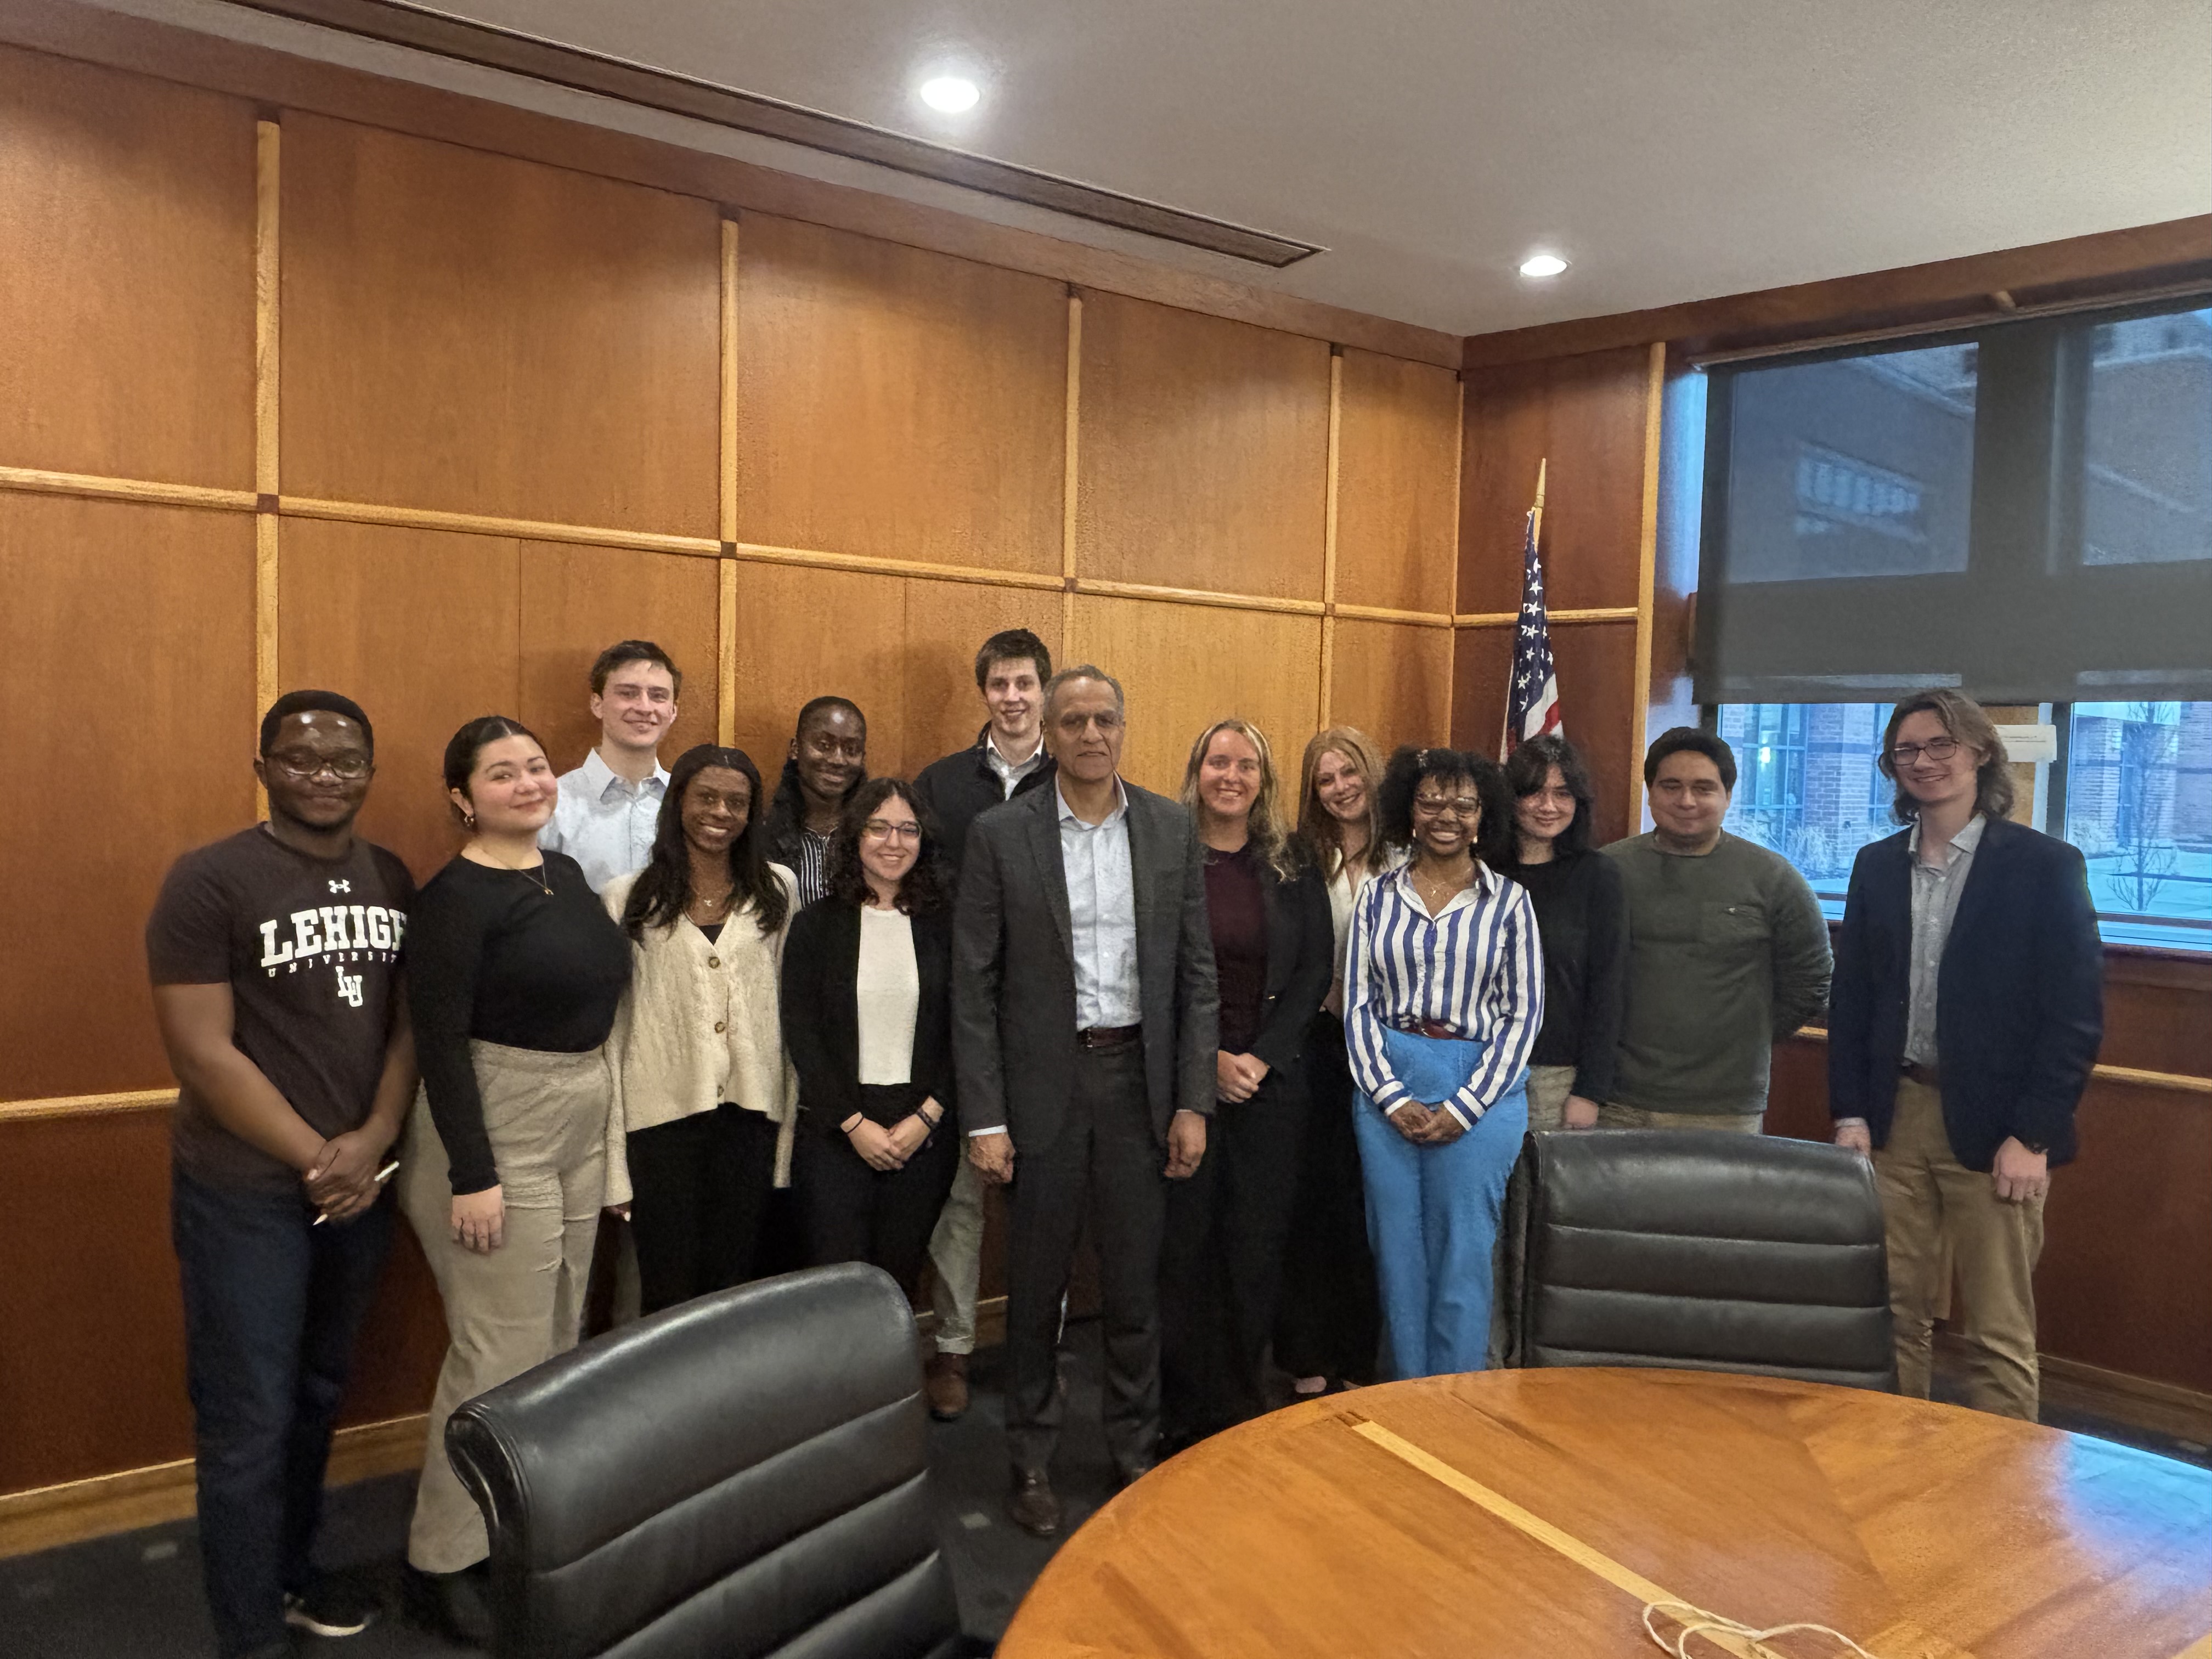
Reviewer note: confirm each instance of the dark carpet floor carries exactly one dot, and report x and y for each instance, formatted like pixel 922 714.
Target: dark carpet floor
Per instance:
pixel 137 1595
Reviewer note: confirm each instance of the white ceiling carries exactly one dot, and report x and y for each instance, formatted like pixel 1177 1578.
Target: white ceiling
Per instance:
pixel 1673 149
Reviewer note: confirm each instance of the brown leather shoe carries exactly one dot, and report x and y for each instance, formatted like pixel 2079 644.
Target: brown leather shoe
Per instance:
pixel 1131 1473
pixel 945 1381
pixel 1032 1505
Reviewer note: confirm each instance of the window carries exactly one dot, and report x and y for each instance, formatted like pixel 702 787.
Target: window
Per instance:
pixel 2139 805
pixel 1806 786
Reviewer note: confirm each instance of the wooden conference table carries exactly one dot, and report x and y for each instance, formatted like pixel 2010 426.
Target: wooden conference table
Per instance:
pixel 1531 1514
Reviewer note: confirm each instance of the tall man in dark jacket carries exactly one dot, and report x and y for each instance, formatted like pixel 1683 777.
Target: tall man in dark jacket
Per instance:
pixel 1966 1012
pixel 1083 1032
pixel 1008 758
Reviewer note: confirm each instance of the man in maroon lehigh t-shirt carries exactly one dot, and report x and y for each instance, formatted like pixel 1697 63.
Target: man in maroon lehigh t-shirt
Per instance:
pixel 274 957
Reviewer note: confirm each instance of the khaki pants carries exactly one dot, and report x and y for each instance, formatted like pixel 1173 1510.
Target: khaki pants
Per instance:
pixel 1930 1200
pixel 1548 1089
pixel 1611 1114
pixel 956 1250
pixel 546 1114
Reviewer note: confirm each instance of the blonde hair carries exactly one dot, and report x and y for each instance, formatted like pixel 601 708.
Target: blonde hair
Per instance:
pixel 1319 833
pixel 1964 719
pixel 1268 837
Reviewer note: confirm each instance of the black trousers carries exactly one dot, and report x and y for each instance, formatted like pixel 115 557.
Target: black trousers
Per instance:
pixel 854 1213
pixel 1328 1323
pixel 1221 1269
pixel 1106 1162
pixel 699 1187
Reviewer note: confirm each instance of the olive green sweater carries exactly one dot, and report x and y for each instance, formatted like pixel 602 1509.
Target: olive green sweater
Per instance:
pixel 1727 953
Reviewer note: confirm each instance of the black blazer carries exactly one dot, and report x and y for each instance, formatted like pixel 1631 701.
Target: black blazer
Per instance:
pixel 820 1012
pixel 1301 961
pixel 2020 996
pixel 1013 990
pixel 962 785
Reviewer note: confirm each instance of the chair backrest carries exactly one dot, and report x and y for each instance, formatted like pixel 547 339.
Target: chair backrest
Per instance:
pixel 1696 1250
pixel 743 1475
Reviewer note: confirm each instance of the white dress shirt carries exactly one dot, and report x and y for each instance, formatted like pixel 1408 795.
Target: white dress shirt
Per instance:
pixel 1101 914
pixel 886 996
pixel 605 823
pixel 1011 772
pixel 1936 891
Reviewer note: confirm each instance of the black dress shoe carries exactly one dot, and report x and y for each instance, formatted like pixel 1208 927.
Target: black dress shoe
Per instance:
pixel 454 1604
pixel 1031 1503
pixel 1134 1471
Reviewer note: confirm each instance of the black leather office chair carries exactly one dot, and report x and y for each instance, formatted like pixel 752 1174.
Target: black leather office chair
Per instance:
pixel 1701 1251
pixel 743 1475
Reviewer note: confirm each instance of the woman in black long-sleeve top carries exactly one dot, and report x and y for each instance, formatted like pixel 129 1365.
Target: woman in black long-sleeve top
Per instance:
pixel 1221 1264
pixel 1582 915
pixel 514 971
pixel 867 1020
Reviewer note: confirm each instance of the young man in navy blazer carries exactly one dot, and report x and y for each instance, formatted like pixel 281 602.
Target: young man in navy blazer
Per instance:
pixel 1964 1016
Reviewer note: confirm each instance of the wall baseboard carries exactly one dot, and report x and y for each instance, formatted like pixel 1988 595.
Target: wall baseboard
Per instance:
pixel 2136 1402
pixel 47 1517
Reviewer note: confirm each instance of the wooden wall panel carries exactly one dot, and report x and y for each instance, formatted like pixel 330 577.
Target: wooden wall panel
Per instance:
pixel 1587 415
pixel 1204 451
pixel 128 633
pixel 92 1375
pixel 945 622
pixel 896 403
pixel 1184 667
pixel 418 627
pixel 805 632
pixel 126 296
pixel 475 334
pixel 1481 658
pixel 575 602
pixel 1391 680
pixel 1398 444
pixel 1598 694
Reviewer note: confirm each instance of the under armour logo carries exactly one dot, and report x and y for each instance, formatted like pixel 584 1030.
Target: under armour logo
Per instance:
pixel 349 986
pixel 341 887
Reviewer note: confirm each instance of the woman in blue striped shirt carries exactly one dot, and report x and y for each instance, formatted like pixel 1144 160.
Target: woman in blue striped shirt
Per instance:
pixel 1443 994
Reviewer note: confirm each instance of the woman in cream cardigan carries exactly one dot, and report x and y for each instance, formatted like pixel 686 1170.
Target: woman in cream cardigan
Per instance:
pixel 702 1091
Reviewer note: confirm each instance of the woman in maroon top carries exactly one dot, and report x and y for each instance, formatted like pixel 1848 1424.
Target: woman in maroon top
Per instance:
pixel 1221 1267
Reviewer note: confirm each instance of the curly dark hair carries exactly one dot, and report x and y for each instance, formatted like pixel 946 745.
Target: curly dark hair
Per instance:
pixel 663 889
pixel 1493 836
pixel 927 887
pixel 1527 767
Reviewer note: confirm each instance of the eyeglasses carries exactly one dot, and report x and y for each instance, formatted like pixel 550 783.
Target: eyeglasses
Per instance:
pixel 1430 807
pixel 1107 719
pixel 1936 748
pixel 884 829
pixel 306 768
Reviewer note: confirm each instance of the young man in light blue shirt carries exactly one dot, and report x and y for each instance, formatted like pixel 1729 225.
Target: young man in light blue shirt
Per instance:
pixel 610 807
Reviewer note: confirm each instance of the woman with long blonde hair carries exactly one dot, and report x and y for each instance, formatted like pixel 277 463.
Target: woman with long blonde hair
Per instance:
pixel 1329 1326
pixel 1221 1266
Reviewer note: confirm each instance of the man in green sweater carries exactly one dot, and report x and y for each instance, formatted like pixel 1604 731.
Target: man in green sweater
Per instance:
pixel 1727 953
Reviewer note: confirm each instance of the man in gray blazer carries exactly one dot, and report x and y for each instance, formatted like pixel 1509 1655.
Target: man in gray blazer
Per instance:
pixel 1083 1035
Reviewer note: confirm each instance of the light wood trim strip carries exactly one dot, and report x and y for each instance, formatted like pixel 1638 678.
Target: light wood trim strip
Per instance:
pixel 1647 561
pixel 268 145
pixel 2185 1082
pixel 1383 613
pixel 726 639
pixel 1200 596
pixel 266 617
pixel 130 1100
pixel 38 481
pixel 1536 1527
pixel 2200 1648
pixel 728 515
pixel 870 564
pixel 1507 619
pixel 1329 488
pixel 474 524
pixel 1458 486
pixel 1070 454
pixel 48 1517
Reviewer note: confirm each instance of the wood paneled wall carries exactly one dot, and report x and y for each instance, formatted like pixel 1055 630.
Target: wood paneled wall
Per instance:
pixel 286 400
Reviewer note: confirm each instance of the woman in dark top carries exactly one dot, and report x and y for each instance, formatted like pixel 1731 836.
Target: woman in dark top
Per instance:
pixel 828 760
pixel 868 1019
pixel 514 975
pixel 1222 1262
pixel 1582 915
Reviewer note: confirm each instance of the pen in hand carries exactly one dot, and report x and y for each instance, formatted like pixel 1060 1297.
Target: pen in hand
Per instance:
pixel 382 1175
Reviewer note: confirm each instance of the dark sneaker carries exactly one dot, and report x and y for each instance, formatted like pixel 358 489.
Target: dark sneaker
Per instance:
pixel 454 1604
pixel 331 1608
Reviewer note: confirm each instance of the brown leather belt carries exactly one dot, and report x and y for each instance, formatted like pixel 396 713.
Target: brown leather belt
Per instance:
pixel 1930 1077
pixel 1429 1028
pixel 1108 1036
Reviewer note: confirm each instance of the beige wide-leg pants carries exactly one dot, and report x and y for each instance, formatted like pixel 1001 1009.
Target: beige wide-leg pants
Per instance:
pixel 522 1303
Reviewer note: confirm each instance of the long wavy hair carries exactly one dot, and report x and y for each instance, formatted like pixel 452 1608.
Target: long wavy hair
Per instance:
pixel 662 892
pixel 1964 719
pixel 1319 833
pixel 925 888
pixel 1267 836
pixel 1493 836
pixel 786 813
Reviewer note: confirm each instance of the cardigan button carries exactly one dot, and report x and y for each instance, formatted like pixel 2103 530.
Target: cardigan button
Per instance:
pixel 713 962
pixel 719 1024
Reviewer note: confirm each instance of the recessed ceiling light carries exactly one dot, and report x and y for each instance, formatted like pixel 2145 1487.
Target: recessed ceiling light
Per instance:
pixel 1542 265
pixel 949 94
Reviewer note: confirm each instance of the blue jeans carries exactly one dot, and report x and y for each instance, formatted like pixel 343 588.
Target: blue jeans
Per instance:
pixel 272 1304
pixel 1433 1212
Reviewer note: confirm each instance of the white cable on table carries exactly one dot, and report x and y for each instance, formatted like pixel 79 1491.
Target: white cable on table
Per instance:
pixel 1702 1623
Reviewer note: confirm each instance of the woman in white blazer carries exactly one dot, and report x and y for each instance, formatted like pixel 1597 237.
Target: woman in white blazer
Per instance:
pixel 703 1093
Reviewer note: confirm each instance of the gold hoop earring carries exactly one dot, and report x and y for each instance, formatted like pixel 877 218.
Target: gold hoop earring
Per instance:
pixel 469 820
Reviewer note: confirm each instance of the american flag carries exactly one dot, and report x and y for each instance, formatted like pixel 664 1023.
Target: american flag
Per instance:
pixel 1531 697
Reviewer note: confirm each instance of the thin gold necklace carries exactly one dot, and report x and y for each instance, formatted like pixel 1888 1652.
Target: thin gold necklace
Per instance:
pixel 537 877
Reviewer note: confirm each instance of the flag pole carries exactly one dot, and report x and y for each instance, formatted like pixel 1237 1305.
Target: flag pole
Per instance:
pixel 1538 510
pixel 1536 539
